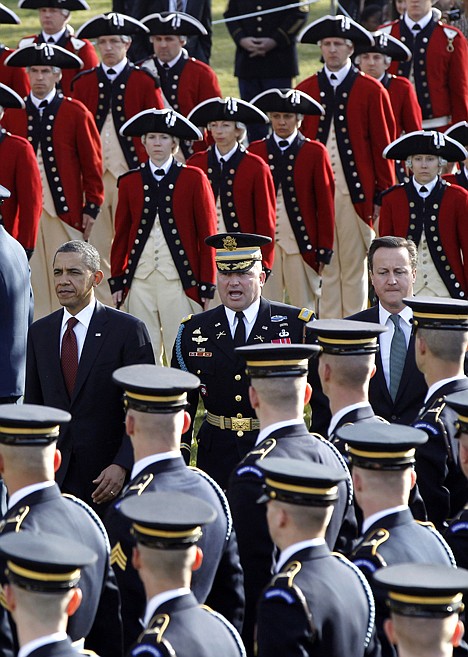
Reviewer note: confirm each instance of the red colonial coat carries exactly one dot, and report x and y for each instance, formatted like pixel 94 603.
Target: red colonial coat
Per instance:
pixel 83 48
pixel 140 94
pixel 194 215
pixel 451 224
pixel 446 71
pixel 77 150
pixel 314 188
pixel 197 83
pixel 13 76
pixel 19 173
pixel 254 198
pixel 405 104
pixel 371 128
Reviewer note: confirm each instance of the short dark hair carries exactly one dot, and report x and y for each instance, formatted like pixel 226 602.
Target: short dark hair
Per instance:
pixel 88 252
pixel 392 242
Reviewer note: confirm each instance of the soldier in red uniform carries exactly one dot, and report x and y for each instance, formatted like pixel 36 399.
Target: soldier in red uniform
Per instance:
pixel 357 125
pixel 241 182
pixel 459 132
pixel 439 68
pixel 19 173
pixel 431 212
pixel 185 81
pixel 113 92
pixel 54 16
pixel 64 137
pixel 165 211
pixel 305 212
pixel 15 78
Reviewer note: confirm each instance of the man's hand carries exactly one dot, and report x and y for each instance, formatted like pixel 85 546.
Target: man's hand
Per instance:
pixel 205 303
pixel 321 268
pixel 249 44
pixel 88 223
pixel 110 483
pixel 117 298
pixel 264 46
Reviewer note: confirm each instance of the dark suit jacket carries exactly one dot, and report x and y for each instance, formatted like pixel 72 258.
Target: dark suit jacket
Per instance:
pixel 95 437
pixel 56 649
pixel 197 46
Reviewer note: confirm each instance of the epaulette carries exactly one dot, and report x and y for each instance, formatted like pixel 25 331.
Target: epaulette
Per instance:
pixel 306 314
pixel 140 484
pixel 231 629
pixel 221 496
pixel 127 173
pixel 27 41
pixel 264 448
pixel 85 651
pixel 365 556
pixel 93 515
pixel 390 189
pixel 430 527
pixel 77 43
pixel 186 319
pixel 387 27
pixel 282 589
pixel 367 591
pixel 154 80
pixel 16 519
pixel 247 466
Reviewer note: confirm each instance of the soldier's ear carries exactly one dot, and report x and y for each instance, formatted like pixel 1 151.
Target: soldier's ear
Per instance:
pixel 187 421
pixel 198 559
pixel 57 459
pixel 253 397
pixel 307 394
pixel 457 635
pixel 374 370
pixel 390 631
pixel 74 602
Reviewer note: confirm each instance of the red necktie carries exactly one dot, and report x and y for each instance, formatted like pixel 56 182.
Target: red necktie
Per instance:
pixel 69 355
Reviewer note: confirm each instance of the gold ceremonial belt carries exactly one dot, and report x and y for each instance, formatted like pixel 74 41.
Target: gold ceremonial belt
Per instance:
pixel 233 423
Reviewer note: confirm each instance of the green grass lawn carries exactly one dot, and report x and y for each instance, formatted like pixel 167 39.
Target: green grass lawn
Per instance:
pixel 223 47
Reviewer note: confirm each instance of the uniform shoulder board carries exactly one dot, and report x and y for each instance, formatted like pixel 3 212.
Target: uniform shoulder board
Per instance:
pixel 77 43
pixel 366 555
pixel 221 496
pixel 305 314
pixel 186 319
pixel 430 527
pixel 390 189
pixel 148 74
pixel 450 33
pixel 386 29
pixel 81 74
pixel 93 515
pixel 27 41
pixel 264 448
pixel 127 173
pixel 231 629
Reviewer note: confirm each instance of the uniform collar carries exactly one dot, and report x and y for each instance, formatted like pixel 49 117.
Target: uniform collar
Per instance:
pixel 291 550
pixel 344 411
pixel 143 463
pixel 35 644
pixel 173 62
pixel 340 75
pixel 18 495
pixel 56 37
pixel 425 20
pixel 118 68
pixel 49 98
pixel 157 600
pixel 228 155
pixel 250 313
pixel 429 186
pixel 368 522
pixel 289 139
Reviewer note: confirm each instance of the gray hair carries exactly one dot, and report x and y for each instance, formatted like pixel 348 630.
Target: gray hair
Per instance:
pixel 409 162
pixel 88 253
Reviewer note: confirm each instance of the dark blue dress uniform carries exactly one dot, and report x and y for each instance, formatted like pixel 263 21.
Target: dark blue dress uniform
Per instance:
pixel 47 510
pixel 303 610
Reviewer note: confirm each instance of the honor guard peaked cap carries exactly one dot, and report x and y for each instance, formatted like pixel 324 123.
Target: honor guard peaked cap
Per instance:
pixel 459 402
pixel 30 424
pixel 7 16
pixel 44 562
pixel 174 22
pixel 111 24
pixel 167 521
pixel 423 590
pixel 277 360
pixel 381 446
pixel 459 132
pixel 298 482
pixel 439 313
pixel 9 98
pixel 385 44
pixel 43 54
pixel 71 5
pixel 226 109
pixel 4 194
pixel 425 142
pixel 237 252
pixel 166 121
pixel 155 389
pixel 344 337
pixel 287 100
pixel 341 27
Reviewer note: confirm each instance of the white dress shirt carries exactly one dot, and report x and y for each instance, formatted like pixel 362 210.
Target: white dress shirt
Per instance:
pixel 250 317
pixel 81 329
pixel 385 339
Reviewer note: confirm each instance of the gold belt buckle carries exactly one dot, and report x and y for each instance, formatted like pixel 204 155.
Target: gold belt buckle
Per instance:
pixel 240 423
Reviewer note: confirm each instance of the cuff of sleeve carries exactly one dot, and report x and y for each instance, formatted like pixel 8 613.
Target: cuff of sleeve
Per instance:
pixel 92 209
pixel 116 283
pixel 324 255
pixel 206 290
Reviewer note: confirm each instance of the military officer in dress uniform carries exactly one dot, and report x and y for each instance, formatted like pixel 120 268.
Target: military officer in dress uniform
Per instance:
pixel 205 346
pixel 305 212
pixel 113 92
pixel 156 399
pixel 303 611
pixel 29 458
pixel 165 212
pixel 441 330
pixel 375 61
pixel 54 16
pixel 358 121
pixel 382 458
pixel 425 601
pixel 456 534
pixel 43 571
pixel 64 136
pixel 167 527
pixel 278 393
pixel 459 132
pixel 431 212
pixel 185 81
pixel 241 182
pixel 439 68
pixel 19 173
pixel 14 78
